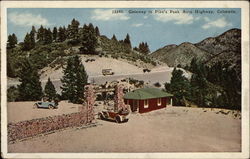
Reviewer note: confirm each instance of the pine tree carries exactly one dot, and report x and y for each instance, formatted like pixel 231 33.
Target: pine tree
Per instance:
pixel 62 34
pixel 27 43
pixel 55 34
pixel 40 34
pixel 49 90
pixel 30 88
pixel 143 48
pixel 179 86
pixel 74 79
pixel 127 41
pixel 48 37
pixel 12 41
pixel 88 40
pixel 73 29
pixel 97 32
pixel 114 37
pixel 32 37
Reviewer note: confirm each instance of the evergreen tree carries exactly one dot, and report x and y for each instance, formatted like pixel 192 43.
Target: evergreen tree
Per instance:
pixel 10 68
pixel 55 34
pixel 40 34
pixel 27 43
pixel 127 41
pixel 143 48
pixel 48 36
pixel 74 80
pixel 97 32
pixel 12 41
pixel 32 37
pixel 114 37
pixel 179 86
pixel 88 40
pixel 49 90
pixel 73 29
pixel 62 34
pixel 30 88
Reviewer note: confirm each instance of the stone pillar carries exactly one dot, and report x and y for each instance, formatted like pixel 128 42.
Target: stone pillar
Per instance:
pixel 118 100
pixel 89 97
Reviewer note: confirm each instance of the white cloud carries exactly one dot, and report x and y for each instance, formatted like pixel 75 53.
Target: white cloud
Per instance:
pixel 106 15
pixel 145 17
pixel 219 23
pixel 197 18
pixel 178 18
pixel 206 19
pixel 27 19
pixel 137 24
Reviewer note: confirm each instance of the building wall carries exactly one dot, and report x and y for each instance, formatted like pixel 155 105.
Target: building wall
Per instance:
pixel 152 104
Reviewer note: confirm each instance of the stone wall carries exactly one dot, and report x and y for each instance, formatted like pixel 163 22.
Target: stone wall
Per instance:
pixel 30 128
pixel 118 100
pixel 89 97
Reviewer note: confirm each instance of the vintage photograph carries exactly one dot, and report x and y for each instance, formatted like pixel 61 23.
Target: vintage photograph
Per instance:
pixel 123 79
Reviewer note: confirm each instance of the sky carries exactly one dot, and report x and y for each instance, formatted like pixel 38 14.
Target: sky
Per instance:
pixel 156 26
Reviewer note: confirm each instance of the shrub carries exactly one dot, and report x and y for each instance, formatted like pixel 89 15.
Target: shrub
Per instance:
pixel 157 84
pixel 12 94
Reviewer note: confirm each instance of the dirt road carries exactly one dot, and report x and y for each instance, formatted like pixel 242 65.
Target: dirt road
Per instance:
pixel 175 129
pixel 162 76
pixel 19 111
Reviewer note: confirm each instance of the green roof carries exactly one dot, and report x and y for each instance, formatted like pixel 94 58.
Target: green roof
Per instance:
pixel 147 93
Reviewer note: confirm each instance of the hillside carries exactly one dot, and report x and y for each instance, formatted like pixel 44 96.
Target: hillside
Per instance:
pixel 180 55
pixel 94 68
pixel 54 55
pixel 225 47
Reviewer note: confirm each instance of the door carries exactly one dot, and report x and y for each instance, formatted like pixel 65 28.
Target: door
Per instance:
pixel 135 105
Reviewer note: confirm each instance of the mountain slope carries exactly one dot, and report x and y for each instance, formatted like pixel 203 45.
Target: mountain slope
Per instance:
pixel 182 54
pixel 225 48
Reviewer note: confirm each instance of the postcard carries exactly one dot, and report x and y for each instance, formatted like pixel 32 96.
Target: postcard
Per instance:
pixel 125 79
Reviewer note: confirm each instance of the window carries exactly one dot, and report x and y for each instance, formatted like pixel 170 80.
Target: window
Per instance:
pixel 159 101
pixel 146 103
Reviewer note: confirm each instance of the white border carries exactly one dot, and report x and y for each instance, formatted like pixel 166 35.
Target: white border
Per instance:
pixel 131 4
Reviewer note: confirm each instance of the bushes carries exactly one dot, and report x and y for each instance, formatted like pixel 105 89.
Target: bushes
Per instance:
pixel 157 84
pixel 12 94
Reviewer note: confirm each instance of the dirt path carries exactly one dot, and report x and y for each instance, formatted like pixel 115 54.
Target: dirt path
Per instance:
pixel 167 130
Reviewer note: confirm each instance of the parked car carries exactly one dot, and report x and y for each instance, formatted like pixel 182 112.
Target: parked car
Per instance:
pixel 49 105
pixel 119 117
pixel 107 72
pixel 89 60
pixel 146 70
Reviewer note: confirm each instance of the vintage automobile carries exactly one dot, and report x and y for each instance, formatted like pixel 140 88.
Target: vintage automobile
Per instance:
pixel 107 72
pixel 119 117
pixel 49 105
pixel 146 70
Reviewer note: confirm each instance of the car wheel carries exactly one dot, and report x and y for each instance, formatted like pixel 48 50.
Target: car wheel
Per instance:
pixel 35 106
pixel 117 119
pixel 50 107
pixel 100 116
